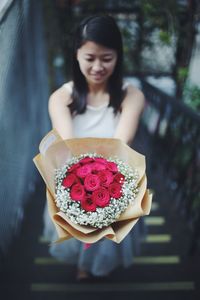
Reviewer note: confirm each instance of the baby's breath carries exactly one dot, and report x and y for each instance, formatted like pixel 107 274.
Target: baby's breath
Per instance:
pixel 102 216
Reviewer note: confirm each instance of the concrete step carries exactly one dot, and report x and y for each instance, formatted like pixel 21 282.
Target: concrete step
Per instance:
pixel 138 260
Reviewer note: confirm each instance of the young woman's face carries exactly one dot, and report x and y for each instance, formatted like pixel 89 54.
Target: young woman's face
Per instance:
pixel 96 62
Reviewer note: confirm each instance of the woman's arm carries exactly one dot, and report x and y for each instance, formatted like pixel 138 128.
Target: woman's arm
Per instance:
pixel 132 107
pixel 60 114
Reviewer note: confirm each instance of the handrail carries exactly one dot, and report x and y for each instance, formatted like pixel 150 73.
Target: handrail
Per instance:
pixel 175 129
pixel 177 104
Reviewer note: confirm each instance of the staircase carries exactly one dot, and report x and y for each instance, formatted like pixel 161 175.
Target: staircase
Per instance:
pixel 163 269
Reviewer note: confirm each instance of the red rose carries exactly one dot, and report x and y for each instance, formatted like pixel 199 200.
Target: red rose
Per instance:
pixel 101 197
pixel 88 203
pixel 115 190
pixel 86 160
pixel 97 166
pixel 111 166
pixel 100 160
pixel 83 171
pixel 69 180
pixel 91 182
pixel 106 177
pixel 119 178
pixel 77 192
pixel 73 168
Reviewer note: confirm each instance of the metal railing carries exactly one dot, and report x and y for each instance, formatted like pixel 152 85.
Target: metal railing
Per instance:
pixel 175 130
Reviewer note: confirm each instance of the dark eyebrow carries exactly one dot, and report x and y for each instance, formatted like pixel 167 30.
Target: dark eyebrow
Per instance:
pixel 107 54
pixel 103 55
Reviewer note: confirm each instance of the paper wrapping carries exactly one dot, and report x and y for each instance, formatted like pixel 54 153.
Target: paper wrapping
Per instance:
pixel 54 152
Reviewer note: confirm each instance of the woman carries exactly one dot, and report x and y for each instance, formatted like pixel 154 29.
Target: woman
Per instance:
pixel 96 103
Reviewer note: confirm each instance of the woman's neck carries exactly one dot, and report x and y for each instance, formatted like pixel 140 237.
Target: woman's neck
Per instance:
pixel 97 88
pixel 97 96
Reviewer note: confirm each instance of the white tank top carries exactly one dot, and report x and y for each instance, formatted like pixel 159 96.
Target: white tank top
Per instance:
pixel 95 121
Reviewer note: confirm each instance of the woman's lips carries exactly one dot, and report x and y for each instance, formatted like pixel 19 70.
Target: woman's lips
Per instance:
pixel 97 76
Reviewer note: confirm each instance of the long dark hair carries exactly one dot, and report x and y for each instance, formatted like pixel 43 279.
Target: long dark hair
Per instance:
pixel 103 30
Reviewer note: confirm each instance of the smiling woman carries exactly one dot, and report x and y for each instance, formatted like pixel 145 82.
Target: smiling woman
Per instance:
pixel 96 103
pixel 96 62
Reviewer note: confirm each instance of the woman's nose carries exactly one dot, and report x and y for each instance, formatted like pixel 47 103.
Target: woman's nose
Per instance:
pixel 97 66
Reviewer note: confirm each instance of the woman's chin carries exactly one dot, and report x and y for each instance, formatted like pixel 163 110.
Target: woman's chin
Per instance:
pixel 97 80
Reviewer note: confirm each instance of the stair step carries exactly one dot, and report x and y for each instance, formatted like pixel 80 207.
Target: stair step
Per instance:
pixel 137 272
pixel 43 240
pixel 154 220
pixel 155 206
pixel 158 238
pixel 143 260
pixel 114 287
pixel 152 249
pixel 169 259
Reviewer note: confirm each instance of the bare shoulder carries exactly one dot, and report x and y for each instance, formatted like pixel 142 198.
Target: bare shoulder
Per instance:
pixel 134 97
pixel 61 97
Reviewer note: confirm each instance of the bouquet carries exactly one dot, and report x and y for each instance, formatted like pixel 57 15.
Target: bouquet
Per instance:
pixel 92 190
pixel 96 187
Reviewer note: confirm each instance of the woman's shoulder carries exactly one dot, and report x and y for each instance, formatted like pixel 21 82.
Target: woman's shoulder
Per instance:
pixel 134 95
pixel 62 96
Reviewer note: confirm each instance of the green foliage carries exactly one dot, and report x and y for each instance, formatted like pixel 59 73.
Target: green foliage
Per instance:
pixel 148 7
pixel 183 156
pixel 182 73
pixel 196 202
pixel 191 96
pixel 165 37
pixel 159 14
pixel 140 26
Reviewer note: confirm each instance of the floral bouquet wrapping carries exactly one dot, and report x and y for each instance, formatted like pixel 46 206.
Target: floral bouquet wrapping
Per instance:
pixel 96 187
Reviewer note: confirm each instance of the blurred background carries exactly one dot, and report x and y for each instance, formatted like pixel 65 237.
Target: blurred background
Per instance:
pixel 162 57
